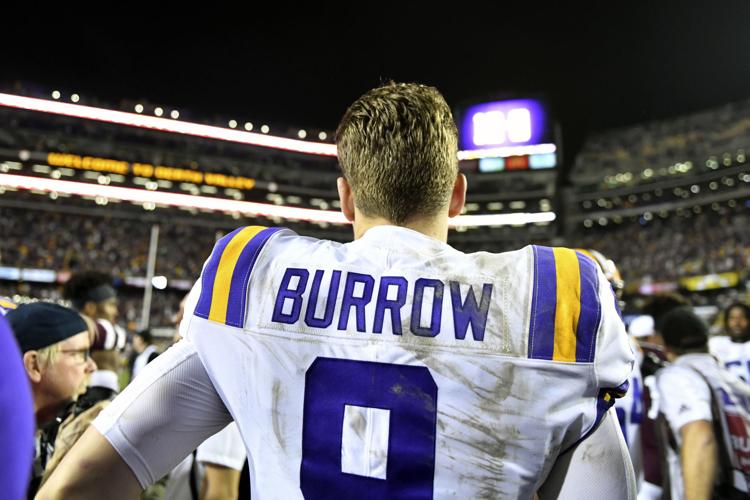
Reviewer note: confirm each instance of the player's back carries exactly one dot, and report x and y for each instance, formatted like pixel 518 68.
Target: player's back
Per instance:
pixel 395 366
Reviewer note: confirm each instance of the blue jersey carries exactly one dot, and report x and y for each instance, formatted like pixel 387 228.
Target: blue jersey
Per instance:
pixel 16 419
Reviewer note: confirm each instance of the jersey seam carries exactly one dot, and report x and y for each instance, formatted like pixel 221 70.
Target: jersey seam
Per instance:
pixel 534 303
pixel 592 345
pixel 344 341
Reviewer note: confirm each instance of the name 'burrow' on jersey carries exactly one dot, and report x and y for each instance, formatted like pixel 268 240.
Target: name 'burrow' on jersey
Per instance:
pixel 426 306
pixel 311 286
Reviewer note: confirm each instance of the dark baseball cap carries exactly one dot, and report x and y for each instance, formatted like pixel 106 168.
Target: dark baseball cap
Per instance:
pixel 42 324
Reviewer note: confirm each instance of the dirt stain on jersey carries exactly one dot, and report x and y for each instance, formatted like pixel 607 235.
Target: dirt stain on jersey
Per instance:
pixel 406 389
pixel 593 453
pixel 276 391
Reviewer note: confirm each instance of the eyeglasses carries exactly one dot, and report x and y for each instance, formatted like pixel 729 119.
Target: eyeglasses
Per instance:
pixel 80 355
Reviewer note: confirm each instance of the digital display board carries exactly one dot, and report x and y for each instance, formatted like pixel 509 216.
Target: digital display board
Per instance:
pixel 519 130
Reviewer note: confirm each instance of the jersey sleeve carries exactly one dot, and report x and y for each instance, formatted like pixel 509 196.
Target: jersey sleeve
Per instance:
pixel 575 321
pixel 684 397
pixel 614 357
pixel 226 275
pixel 220 294
pixel 164 414
pixel 574 318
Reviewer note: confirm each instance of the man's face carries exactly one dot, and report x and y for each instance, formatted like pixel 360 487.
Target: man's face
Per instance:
pixel 66 377
pixel 737 323
pixel 107 309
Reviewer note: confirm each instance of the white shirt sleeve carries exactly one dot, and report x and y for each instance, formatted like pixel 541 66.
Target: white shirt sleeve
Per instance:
pixel 684 397
pixel 224 448
pixel 598 467
pixel 164 414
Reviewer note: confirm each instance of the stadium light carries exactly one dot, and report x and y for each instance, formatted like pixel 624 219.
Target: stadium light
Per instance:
pixel 158 111
pixel 506 151
pixel 166 125
pixel 55 94
pixel 159 282
pixel 264 129
pixel 232 123
pixel 174 114
pixel 220 133
pixel 75 98
pixel 151 199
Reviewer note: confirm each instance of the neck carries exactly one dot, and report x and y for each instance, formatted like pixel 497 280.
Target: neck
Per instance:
pixel 740 339
pixel 46 410
pixel 434 226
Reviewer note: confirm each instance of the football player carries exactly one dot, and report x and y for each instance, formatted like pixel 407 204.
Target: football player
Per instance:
pixel 393 366
pixel 733 349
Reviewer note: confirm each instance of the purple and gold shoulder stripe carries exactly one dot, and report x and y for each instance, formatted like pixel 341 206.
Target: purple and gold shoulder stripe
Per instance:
pixel 565 308
pixel 227 274
pixel 6 305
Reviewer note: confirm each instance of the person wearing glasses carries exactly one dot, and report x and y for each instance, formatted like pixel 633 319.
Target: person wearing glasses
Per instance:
pixel 74 421
pixel 55 342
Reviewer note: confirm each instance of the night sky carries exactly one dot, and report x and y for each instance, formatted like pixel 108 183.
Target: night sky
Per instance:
pixel 600 67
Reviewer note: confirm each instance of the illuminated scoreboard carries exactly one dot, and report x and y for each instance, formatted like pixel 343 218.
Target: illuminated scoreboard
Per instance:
pixel 516 134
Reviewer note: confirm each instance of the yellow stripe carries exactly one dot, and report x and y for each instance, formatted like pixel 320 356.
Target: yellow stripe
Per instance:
pixel 568 304
pixel 586 253
pixel 223 280
pixel 7 305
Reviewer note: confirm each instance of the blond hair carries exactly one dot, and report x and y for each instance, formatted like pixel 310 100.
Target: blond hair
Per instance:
pixel 397 147
pixel 48 355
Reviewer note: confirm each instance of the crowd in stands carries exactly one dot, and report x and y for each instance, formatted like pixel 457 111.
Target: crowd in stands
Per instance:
pixel 658 250
pixel 675 247
pixel 48 240
pixel 662 143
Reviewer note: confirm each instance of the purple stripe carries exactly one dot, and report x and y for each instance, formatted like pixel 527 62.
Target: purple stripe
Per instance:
pixel 602 406
pixel 621 389
pixel 591 311
pixel 203 307
pixel 241 277
pixel 543 305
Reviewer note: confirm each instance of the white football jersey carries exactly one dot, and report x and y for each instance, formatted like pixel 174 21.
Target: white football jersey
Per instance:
pixel 395 366
pixel 735 356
